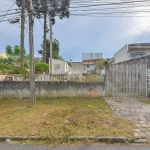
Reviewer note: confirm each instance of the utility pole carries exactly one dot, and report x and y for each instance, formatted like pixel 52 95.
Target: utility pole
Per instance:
pixel 31 47
pixel 51 49
pixel 22 33
pixel 45 30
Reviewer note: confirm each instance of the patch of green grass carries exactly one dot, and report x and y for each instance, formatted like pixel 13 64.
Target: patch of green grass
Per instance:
pixel 62 117
pixel 144 101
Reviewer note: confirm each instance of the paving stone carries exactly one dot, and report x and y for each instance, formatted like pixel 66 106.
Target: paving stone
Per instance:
pixel 137 130
pixel 131 109
pixel 136 135
pixel 143 125
pixel 142 134
pixel 144 129
pixel 148 133
pixel 142 122
pixel 147 118
pixel 138 125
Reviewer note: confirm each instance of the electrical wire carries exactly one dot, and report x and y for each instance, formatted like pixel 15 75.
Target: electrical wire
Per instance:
pixel 8 10
pixel 142 34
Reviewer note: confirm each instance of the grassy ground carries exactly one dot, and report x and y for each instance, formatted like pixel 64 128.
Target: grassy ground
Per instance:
pixel 145 101
pixel 62 117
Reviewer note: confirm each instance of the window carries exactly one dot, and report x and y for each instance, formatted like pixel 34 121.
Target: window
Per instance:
pixel 88 66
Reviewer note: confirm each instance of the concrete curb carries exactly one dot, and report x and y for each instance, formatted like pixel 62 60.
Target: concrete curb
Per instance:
pixel 77 138
pixel 71 138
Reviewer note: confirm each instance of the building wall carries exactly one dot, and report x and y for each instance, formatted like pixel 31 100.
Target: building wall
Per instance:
pixel 122 55
pixel 60 67
pixel 3 55
pixel 147 51
pixel 88 68
pixel 11 89
pixel 90 56
pixel 42 77
pixel 76 68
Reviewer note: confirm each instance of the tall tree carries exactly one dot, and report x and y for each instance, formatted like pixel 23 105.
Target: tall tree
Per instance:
pixel 55 52
pixel 52 8
pixel 22 4
pixel 44 7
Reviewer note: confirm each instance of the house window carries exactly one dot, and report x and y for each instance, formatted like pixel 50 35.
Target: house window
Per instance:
pixel 88 66
pixel 84 68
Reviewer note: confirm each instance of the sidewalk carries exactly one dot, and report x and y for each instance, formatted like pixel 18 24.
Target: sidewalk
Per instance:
pixel 131 109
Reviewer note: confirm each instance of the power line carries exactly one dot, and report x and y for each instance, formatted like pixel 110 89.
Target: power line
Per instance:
pixel 4 31
pixel 143 34
pixel 8 10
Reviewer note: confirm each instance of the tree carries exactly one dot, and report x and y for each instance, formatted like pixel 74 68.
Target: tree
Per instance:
pixel 11 64
pixel 41 67
pixel 22 4
pixel 53 8
pixel 15 52
pixel 9 50
pixel 101 62
pixel 55 52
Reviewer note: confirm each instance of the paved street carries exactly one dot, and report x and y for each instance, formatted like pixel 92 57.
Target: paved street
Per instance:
pixel 86 147
pixel 130 108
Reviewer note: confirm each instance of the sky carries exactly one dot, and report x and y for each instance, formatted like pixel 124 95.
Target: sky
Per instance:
pixel 80 34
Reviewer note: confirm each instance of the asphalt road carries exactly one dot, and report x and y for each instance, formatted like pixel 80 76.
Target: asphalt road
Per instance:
pixel 86 147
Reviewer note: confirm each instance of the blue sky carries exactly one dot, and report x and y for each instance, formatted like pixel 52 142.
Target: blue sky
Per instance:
pixel 79 35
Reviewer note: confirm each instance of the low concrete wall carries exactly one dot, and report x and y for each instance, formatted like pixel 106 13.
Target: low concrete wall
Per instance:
pixel 21 89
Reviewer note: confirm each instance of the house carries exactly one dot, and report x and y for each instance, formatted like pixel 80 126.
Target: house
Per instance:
pixel 89 62
pixel 3 55
pixel 76 71
pixel 130 51
pixel 60 67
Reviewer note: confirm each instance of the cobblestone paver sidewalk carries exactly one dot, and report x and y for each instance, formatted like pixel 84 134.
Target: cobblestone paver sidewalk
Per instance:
pixel 130 108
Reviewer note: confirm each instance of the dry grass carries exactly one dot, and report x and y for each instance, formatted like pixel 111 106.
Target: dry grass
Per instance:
pixel 62 117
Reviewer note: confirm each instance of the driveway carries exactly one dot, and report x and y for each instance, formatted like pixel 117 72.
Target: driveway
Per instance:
pixel 131 109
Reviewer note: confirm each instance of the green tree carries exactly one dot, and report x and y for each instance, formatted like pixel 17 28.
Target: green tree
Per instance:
pixel 11 64
pixel 41 67
pixel 55 52
pixel 16 51
pixel 9 50
pixel 101 62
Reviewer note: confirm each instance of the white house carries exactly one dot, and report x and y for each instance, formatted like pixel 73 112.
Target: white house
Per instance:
pixel 60 67
pixel 89 62
pixel 130 51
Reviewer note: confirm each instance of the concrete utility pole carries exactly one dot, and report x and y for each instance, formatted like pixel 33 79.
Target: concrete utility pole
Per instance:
pixel 51 49
pixel 45 30
pixel 22 34
pixel 31 47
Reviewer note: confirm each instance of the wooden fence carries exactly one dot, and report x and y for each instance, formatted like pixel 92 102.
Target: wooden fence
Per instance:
pixel 128 78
